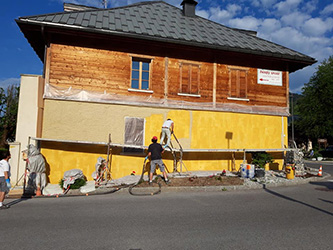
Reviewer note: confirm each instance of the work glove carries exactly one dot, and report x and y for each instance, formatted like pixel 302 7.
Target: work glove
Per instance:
pixel 8 183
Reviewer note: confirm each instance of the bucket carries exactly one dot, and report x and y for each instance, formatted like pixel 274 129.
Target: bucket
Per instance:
pixel 247 170
pixel 290 172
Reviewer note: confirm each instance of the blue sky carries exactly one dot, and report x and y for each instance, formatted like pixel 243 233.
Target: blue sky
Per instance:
pixel 302 25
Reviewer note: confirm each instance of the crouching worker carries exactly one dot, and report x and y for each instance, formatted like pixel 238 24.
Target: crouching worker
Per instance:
pixel 155 151
pixel 36 167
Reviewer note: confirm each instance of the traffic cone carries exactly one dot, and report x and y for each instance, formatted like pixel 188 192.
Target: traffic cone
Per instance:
pixel 38 192
pixel 320 172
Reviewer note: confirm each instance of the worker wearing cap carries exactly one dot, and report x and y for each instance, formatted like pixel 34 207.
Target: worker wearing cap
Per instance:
pixel 167 130
pixel 155 151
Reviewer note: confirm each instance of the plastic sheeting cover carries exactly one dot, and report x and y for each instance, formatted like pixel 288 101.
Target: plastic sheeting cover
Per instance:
pixel 71 175
pixel 36 162
pixel 54 92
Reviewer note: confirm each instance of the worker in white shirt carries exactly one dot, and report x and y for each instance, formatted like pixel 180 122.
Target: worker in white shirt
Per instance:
pixel 167 130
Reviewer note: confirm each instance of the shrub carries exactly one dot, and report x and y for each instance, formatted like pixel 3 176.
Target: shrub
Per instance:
pixel 76 185
pixel 260 159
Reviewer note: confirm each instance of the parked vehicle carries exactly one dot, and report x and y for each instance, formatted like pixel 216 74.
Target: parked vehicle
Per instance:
pixel 328 152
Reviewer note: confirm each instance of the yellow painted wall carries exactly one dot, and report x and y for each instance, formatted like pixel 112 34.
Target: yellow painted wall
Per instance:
pixel 68 120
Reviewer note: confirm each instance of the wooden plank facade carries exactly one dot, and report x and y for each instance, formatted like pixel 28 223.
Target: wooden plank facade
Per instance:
pixel 172 78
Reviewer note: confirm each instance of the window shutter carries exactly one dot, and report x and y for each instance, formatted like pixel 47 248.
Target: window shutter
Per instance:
pixel 194 80
pixel 242 84
pixel 238 83
pixel 185 78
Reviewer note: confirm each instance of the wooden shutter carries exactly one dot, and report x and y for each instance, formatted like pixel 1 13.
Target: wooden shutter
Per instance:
pixel 194 79
pixel 238 83
pixel 242 84
pixel 185 78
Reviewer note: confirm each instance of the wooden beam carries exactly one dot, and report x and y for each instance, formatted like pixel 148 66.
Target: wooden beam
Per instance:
pixel 166 63
pixel 214 84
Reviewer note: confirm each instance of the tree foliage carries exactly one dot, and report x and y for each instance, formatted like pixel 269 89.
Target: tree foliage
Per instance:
pixel 315 107
pixel 8 114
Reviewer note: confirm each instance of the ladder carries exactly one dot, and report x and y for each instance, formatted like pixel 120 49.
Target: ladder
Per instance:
pixel 177 162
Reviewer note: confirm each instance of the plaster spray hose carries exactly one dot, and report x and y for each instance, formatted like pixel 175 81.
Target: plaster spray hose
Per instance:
pixel 130 189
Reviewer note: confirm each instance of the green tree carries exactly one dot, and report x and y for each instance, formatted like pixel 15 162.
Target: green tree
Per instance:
pixel 315 107
pixel 8 114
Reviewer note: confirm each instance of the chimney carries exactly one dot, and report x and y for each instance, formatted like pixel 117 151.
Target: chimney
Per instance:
pixel 189 7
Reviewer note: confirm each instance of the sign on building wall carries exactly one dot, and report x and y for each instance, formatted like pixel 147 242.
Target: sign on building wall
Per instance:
pixel 270 77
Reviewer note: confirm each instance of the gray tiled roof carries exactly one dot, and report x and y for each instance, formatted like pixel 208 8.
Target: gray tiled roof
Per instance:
pixel 158 20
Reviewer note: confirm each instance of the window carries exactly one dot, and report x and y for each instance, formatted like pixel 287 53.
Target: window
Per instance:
pixel 140 73
pixel 238 83
pixel 134 134
pixel 189 78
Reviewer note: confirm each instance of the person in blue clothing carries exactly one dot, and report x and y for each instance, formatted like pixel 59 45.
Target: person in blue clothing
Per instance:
pixel 155 151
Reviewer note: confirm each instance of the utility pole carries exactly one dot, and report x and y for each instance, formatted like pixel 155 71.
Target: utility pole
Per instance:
pixel 105 3
pixel 292 117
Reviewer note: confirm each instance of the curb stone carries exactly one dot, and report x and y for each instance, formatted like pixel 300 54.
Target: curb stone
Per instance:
pixel 248 185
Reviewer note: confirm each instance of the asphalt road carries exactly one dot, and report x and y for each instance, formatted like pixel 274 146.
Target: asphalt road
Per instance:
pixel 296 217
pixel 327 166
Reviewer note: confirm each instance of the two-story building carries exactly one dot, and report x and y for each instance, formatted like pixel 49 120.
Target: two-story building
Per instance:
pixel 124 71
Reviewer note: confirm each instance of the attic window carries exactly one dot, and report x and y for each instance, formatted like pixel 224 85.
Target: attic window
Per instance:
pixel 189 79
pixel 140 73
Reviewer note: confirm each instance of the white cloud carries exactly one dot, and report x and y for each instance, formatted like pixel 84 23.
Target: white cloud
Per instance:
pixel 202 13
pixel 5 83
pixel 309 6
pixel 291 38
pixel 327 10
pixel 255 3
pixel 316 47
pixel 295 19
pixel 322 52
pixel 287 6
pixel 263 3
pixel 223 15
pixel 317 27
pixel 269 25
pixel 233 8
pixel 247 22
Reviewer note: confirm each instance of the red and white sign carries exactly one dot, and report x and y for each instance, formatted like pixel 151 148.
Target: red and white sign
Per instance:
pixel 270 77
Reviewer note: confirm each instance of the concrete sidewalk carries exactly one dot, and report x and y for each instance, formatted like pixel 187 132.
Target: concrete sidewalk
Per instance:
pixel 271 179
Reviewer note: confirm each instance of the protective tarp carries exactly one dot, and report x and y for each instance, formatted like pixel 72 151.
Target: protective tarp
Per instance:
pixel 100 163
pixel 99 167
pixel 36 162
pixel 54 92
pixel 36 167
pixel 52 189
pixel 71 176
pixel 134 128
pixel 89 187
